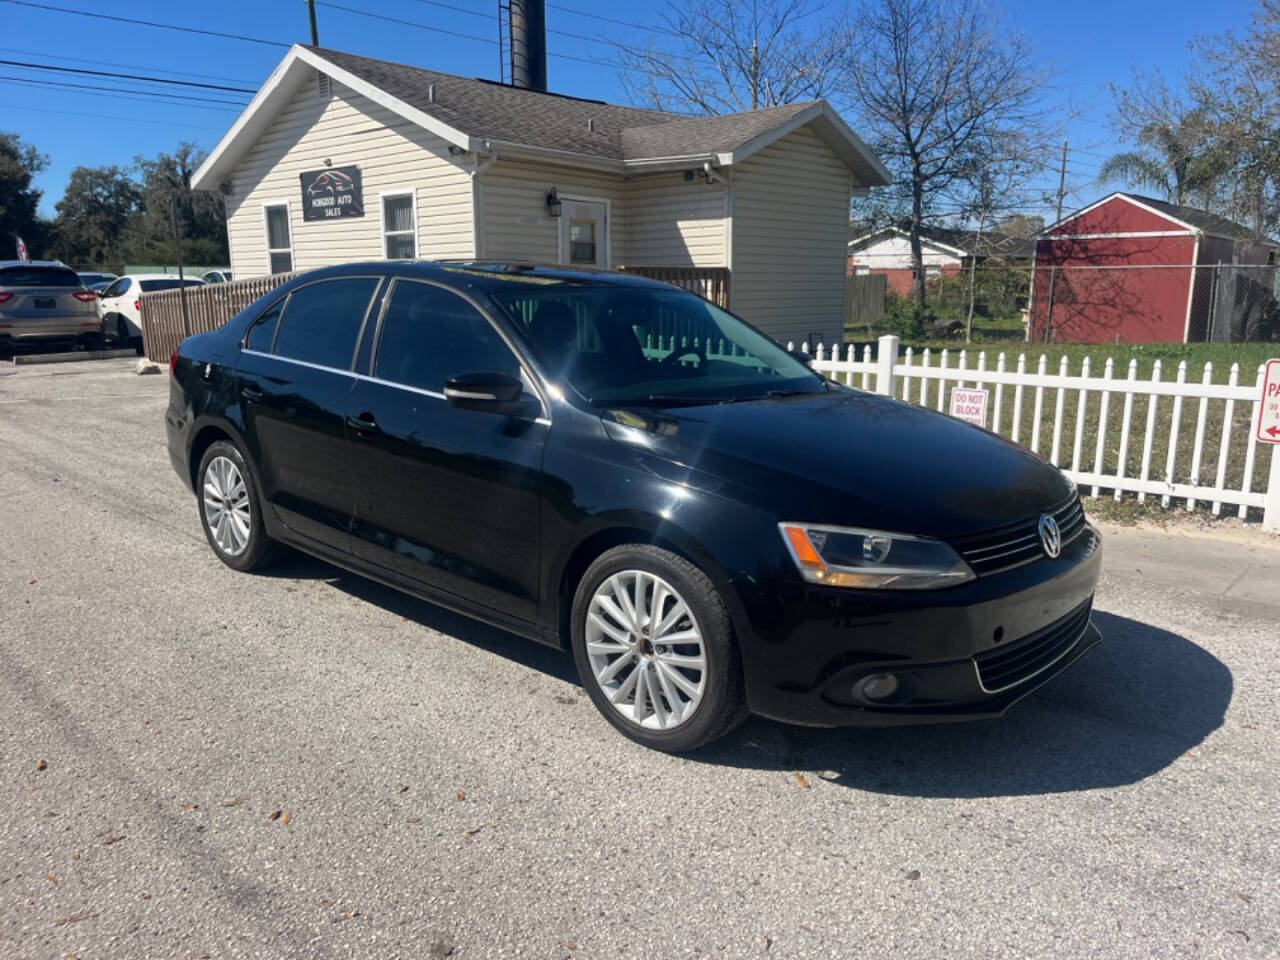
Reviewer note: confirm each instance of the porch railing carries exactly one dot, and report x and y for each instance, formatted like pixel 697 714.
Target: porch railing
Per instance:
pixel 711 283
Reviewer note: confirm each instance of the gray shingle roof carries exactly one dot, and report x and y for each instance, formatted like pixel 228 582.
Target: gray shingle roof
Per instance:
pixel 1200 219
pixel 488 110
pixel 698 135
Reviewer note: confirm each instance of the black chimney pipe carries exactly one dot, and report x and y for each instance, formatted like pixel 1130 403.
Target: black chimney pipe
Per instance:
pixel 529 44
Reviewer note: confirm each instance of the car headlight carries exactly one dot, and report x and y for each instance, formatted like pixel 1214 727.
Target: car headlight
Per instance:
pixel 872 559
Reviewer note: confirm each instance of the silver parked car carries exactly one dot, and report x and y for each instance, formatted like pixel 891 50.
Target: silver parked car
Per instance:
pixel 44 301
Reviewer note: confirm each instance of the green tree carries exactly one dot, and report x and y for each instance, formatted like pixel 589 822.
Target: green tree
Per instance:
pixel 165 183
pixel 93 214
pixel 19 200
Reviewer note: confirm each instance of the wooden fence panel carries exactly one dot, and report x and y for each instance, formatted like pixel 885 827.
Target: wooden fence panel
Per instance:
pixel 864 304
pixel 208 308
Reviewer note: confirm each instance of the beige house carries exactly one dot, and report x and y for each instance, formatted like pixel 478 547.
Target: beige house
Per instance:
pixel 340 158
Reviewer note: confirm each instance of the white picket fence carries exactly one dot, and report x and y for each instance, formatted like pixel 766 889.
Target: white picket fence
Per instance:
pixel 1068 400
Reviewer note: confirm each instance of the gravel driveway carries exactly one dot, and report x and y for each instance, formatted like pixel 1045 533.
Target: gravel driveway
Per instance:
pixel 199 763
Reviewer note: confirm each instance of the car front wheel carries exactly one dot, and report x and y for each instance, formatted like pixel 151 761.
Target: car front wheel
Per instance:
pixel 655 649
pixel 230 510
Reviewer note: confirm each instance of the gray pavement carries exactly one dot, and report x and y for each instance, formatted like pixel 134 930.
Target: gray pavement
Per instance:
pixel 305 764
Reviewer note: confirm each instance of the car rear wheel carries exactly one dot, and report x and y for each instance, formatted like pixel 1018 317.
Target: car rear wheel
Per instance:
pixel 230 511
pixel 655 649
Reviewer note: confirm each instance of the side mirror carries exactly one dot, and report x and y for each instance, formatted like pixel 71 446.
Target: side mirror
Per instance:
pixel 487 391
pixel 801 356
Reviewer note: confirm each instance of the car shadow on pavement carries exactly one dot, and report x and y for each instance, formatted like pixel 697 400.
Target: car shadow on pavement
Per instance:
pixel 1130 708
pixel 529 653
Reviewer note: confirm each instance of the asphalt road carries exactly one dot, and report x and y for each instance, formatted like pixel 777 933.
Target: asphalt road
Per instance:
pixel 305 764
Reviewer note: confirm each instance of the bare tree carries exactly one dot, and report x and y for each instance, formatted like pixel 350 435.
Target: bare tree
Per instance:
pixel 725 56
pixel 944 88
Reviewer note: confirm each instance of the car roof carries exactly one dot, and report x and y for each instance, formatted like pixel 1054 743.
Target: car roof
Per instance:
pixel 191 278
pixel 488 275
pixel 32 263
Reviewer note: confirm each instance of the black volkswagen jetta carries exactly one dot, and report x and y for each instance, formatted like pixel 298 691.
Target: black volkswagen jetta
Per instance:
pixel 614 465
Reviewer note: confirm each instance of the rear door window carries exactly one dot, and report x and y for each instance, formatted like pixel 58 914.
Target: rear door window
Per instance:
pixel 263 332
pixel 322 321
pixel 430 334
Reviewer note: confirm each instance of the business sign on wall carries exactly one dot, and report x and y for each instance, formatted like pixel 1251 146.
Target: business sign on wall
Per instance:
pixel 332 193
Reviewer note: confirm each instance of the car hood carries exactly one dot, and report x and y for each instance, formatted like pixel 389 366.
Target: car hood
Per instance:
pixel 848 457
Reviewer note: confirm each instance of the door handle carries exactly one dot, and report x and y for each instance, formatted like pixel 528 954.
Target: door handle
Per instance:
pixel 252 394
pixel 363 423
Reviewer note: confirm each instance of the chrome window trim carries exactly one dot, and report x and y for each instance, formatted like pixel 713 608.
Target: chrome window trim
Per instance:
pixel 538 387
pixel 402 386
pixel 299 363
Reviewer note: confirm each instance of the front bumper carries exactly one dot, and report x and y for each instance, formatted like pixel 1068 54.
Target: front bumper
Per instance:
pixel 962 653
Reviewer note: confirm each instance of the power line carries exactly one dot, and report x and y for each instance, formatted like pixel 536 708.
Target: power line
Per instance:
pixel 107 116
pixel 131 94
pixel 147 23
pixel 125 76
pixel 129 66
pixel 620 23
pixel 467 36
pixel 561 33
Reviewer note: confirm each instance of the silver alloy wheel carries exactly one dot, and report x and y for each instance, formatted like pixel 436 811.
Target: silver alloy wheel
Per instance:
pixel 226 506
pixel 646 650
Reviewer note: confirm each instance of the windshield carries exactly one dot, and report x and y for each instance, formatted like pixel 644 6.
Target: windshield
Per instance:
pixel 153 285
pixel 619 346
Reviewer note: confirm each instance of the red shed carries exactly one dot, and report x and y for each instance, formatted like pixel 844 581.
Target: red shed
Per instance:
pixel 1124 269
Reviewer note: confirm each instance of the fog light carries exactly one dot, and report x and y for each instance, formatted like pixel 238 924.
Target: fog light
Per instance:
pixel 880 686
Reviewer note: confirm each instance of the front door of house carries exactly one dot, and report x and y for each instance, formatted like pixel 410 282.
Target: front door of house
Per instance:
pixel 584 233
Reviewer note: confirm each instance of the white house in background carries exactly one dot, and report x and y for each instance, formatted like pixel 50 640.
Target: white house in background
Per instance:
pixel 340 158
pixel 887 252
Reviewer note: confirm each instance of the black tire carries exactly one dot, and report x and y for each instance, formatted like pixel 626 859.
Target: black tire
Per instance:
pixel 723 705
pixel 259 550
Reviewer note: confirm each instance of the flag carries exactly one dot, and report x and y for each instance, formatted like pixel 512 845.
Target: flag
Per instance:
pixel 22 249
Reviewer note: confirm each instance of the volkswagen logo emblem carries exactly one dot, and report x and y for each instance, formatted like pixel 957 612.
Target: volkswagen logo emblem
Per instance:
pixel 1050 536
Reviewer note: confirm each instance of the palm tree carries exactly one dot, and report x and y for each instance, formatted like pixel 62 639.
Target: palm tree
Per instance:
pixel 1175 159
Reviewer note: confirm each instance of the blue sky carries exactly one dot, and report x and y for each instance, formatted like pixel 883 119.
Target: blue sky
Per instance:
pixel 1089 43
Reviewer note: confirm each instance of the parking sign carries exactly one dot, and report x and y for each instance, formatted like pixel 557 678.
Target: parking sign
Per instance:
pixel 1269 408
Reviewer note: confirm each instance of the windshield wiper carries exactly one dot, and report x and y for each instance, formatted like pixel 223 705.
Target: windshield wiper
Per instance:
pixel 672 400
pixel 767 395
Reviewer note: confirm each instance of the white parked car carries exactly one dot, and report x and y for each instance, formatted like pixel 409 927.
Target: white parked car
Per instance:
pixel 119 309
pixel 216 276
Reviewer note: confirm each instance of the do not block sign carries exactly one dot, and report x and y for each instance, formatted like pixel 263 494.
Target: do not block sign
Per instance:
pixel 1269 409
pixel 970 405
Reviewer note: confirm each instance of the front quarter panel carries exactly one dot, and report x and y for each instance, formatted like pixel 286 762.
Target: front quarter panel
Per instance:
pixel 596 485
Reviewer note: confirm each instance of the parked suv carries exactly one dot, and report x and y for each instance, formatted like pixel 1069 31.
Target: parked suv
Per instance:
pixel 615 466
pixel 43 301
pixel 121 306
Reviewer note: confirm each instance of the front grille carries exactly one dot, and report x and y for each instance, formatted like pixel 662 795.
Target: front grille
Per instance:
pixel 1007 666
pixel 1017 543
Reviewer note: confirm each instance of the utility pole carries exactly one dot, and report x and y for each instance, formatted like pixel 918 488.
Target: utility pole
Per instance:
pixel 1062 182
pixel 311 15
pixel 177 243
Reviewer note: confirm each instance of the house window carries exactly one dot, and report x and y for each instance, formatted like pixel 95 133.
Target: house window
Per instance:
pixel 582 241
pixel 399 226
pixel 279 241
